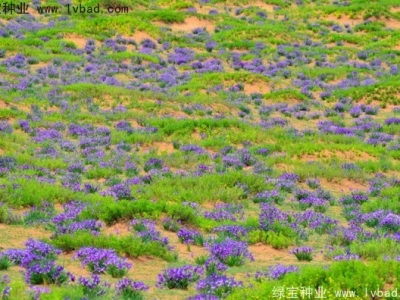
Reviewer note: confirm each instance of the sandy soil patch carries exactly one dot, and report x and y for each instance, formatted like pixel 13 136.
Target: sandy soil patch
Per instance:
pixel 33 12
pixel 395 9
pixel 3 104
pixel 265 6
pixel 394 24
pixel 344 186
pixel 256 87
pixel 343 20
pixel 117 229
pixel 139 36
pixel 345 155
pixel 264 253
pixel 73 265
pixel 163 147
pixel 38 66
pixel 189 24
pixel 15 236
pixel 201 9
pixel 80 42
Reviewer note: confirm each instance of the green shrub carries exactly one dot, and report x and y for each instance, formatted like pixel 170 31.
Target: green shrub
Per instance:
pixel 276 240
pixel 124 245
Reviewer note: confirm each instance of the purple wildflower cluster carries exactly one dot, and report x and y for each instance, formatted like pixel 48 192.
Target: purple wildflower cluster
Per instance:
pixel 38 259
pixel 103 261
pixel 93 287
pixel 223 212
pixel 275 272
pixel 188 236
pixel 303 253
pixel 179 278
pixel 146 230
pixel 235 232
pixel 269 196
pixel 130 289
pixel 217 285
pixel 230 252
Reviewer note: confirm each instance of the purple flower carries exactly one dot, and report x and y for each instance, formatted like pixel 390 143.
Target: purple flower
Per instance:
pixel 103 261
pixel 236 232
pixel 36 291
pixel 269 197
pixel 153 163
pixel 45 272
pixel 179 278
pixel 231 252
pixel 5 127
pixel 188 236
pixel 390 222
pixel 129 289
pixel 93 287
pixel 391 121
pixel 146 230
pixel 303 253
pixel 119 191
pixel 218 285
pixel 276 272
pixel 347 257
pixel 269 215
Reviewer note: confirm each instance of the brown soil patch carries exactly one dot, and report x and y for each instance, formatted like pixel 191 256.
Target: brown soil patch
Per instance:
pixel 196 136
pixel 146 269
pixel 117 229
pixel 343 20
pixel 395 9
pixel 209 205
pixel 139 36
pixel 39 65
pixel 163 147
pixel 190 24
pixel 264 253
pixel 15 236
pixel 1 151
pixel 394 24
pixel 284 167
pixel 80 42
pixel 256 87
pixel 344 186
pixel 201 9
pixel 33 12
pixel 265 6
pixel 2 104
pixel 345 155
pixel 351 155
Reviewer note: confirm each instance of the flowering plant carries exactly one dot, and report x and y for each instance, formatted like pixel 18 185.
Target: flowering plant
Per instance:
pixel 179 278
pixel 303 253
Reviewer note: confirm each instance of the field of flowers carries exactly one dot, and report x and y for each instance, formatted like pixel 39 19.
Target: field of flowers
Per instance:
pixel 200 149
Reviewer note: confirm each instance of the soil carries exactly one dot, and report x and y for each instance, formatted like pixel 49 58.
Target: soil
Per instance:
pixel 344 155
pixel 80 42
pixel 264 254
pixel 190 24
pixel 163 147
pixel 117 229
pixel 256 87
pixel 15 236
pixel 344 186
pixel 139 36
